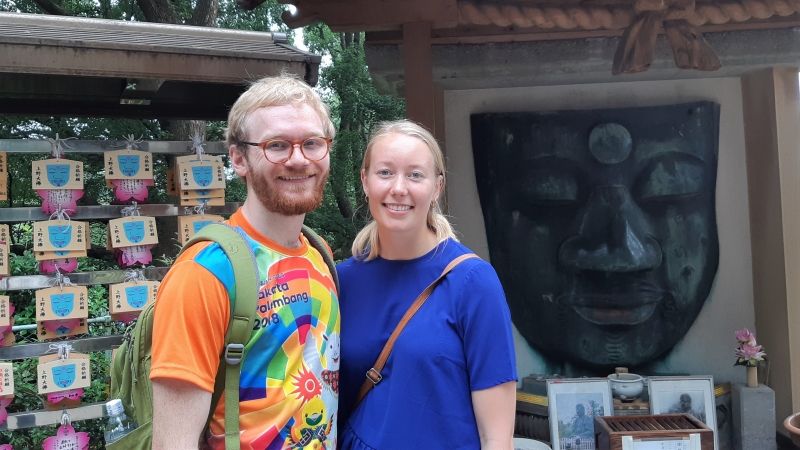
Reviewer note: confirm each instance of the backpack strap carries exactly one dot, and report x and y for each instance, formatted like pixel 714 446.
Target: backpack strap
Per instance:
pixel 318 243
pixel 243 310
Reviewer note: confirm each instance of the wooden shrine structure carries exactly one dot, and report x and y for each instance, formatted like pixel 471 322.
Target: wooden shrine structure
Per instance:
pixel 452 58
pixel 88 67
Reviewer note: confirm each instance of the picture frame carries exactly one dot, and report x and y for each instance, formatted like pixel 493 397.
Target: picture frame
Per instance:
pixel 572 405
pixel 690 394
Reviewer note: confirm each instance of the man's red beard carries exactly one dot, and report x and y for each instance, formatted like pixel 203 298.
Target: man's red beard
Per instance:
pixel 287 202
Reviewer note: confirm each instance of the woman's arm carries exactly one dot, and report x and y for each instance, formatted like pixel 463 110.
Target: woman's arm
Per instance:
pixel 494 413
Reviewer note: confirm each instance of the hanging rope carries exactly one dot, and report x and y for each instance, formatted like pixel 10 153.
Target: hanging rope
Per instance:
pixel 197 145
pixel 57 146
pixel 132 143
pixel 131 210
pixel 63 349
pixel 134 275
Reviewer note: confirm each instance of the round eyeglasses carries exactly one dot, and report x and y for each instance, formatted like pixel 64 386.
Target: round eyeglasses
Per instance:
pixel 278 151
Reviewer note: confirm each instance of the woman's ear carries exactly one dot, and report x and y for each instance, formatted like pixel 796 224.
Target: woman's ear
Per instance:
pixel 439 186
pixel 364 183
pixel 238 160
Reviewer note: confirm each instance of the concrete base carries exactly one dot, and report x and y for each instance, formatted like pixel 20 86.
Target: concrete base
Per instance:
pixel 753 418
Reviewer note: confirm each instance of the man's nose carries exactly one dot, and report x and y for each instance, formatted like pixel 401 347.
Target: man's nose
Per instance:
pixel 296 156
pixel 613 235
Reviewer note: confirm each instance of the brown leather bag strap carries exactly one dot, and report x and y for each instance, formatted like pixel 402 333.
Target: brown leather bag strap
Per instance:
pixel 374 374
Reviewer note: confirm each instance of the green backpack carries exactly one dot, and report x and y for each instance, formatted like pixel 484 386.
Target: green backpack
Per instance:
pixel 130 367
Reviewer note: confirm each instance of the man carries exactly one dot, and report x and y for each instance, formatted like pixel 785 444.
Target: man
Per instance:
pixel 684 406
pixel 279 135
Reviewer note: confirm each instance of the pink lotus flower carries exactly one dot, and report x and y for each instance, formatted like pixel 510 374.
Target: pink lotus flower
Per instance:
pixel 748 352
pixel 745 335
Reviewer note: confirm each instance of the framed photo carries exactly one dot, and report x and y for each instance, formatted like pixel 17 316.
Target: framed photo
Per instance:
pixel 691 395
pixel 573 404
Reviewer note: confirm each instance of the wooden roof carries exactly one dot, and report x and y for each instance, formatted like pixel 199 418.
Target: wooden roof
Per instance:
pixel 534 15
pixel 639 22
pixel 65 65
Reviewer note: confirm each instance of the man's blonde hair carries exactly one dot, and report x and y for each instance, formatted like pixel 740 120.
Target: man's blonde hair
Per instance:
pixel 273 91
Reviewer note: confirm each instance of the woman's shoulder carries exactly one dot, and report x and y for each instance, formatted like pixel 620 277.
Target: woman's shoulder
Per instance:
pixel 348 265
pixel 452 249
pixel 473 274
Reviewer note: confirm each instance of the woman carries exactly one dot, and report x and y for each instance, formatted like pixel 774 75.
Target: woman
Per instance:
pixel 449 382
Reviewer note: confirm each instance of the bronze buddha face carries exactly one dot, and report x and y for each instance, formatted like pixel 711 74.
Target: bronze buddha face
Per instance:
pixel 601 225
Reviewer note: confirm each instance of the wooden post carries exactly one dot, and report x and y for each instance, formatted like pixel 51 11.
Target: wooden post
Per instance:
pixel 418 69
pixel 771 102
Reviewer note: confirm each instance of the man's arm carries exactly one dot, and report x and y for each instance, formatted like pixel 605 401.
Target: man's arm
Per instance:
pixel 189 325
pixel 494 413
pixel 180 411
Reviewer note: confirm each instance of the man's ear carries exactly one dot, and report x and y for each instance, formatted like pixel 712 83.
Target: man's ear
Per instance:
pixel 238 160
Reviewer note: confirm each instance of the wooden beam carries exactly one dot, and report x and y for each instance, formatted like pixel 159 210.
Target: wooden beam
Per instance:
pixel 361 15
pixel 418 69
pixel 467 34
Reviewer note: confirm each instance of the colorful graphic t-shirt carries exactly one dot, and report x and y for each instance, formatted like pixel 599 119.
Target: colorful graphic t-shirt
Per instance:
pixel 288 389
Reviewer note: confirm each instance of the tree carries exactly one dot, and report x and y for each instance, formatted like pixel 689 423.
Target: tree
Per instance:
pixel 356 106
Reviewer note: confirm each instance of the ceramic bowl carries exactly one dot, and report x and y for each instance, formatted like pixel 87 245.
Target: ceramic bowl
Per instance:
pixel 626 386
pixel 792 425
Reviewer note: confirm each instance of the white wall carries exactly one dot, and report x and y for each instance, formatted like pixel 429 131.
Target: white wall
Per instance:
pixel 709 345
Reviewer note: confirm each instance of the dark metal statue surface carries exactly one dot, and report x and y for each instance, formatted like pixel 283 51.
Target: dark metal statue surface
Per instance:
pixel 601 225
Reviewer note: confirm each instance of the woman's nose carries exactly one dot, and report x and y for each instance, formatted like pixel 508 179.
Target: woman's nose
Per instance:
pixel 613 235
pixel 399 185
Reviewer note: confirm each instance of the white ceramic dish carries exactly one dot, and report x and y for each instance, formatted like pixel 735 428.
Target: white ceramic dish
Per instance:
pixel 626 386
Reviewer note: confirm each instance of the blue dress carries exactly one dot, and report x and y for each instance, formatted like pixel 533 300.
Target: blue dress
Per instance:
pixel 458 342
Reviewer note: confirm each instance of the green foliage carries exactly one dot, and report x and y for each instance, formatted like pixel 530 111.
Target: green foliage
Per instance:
pixel 266 17
pixel 107 9
pixel 356 107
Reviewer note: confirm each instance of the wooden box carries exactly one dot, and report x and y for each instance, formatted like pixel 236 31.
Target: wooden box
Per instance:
pixel 670 431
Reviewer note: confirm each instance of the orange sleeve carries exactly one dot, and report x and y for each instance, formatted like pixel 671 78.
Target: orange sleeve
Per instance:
pixel 191 316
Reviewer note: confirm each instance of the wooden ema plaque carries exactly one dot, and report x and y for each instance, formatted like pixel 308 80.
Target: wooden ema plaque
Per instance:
pixel 3 176
pixel 59 303
pixel 132 230
pixel 128 165
pixel 57 174
pixel 207 172
pixel 188 226
pixel 5 250
pixel 130 297
pixel 5 310
pixel 54 375
pixel 665 431
pixel 6 379
pixel 60 236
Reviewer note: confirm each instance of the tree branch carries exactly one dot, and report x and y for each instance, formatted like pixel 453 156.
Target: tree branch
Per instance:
pixel 158 11
pixel 205 13
pixel 51 7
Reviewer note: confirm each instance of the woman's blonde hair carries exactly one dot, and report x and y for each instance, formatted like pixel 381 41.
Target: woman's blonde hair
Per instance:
pixel 366 245
pixel 273 91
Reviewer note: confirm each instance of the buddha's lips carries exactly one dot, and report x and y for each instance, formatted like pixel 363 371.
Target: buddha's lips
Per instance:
pixel 630 308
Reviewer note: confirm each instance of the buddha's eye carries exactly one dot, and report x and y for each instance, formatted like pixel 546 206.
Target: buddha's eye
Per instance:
pixel 549 186
pixel 671 177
